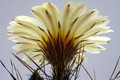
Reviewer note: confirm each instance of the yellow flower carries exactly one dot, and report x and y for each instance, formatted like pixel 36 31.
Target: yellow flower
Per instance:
pixel 58 37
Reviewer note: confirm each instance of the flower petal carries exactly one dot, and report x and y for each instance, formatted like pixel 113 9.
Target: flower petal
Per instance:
pixel 53 13
pixel 93 48
pixel 98 40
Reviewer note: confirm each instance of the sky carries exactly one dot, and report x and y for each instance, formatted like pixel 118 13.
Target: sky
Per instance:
pixel 102 63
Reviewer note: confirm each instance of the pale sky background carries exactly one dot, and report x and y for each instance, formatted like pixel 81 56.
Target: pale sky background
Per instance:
pixel 103 63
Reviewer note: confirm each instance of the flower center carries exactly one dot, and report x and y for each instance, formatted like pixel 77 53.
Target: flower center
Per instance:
pixel 59 51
